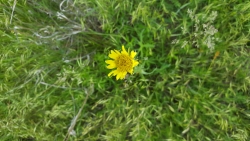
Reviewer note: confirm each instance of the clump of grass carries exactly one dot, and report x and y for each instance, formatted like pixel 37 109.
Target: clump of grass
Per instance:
pixel 192 82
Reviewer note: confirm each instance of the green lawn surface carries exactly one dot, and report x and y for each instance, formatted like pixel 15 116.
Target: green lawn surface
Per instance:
pixel 192 82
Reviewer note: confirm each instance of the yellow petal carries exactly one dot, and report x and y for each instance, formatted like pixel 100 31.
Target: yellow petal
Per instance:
pixel 135 63
pixel 110 62
pixel 132 54
pixel 131 71
pixel 118 76
pixel 124 50
pixel 111 66
pixel 121 75
pixel 112 73
pixel 114 54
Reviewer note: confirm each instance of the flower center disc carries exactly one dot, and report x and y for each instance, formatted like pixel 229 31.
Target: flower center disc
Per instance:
pixel 124 63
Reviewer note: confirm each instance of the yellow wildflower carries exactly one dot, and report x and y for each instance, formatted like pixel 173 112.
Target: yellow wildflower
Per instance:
pixel 123 62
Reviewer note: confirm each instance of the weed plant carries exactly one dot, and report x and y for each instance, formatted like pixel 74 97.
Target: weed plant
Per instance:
pixel 192 82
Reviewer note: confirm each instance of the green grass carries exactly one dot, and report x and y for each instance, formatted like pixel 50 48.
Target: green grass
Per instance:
pixel 192 83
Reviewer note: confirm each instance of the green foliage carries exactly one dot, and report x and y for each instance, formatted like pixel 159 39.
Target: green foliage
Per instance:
pixel 192 82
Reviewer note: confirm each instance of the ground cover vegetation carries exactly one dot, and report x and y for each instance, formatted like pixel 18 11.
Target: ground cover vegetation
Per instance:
pixel 191 81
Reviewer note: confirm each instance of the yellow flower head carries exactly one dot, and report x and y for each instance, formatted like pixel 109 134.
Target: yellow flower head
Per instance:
pixel 123 62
